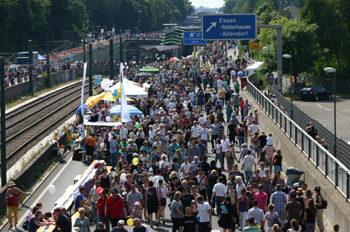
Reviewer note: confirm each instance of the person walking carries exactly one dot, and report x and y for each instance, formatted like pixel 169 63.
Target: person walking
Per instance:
pixel 279 199
pixel 13 194
pixel 189 223
pixel 228 215
pixel 219 191
pixel 318 204
pixel 205 217
pixel 176 211
pixel 310 216
pixel 152 200
pixel 242 207
pixel 82 222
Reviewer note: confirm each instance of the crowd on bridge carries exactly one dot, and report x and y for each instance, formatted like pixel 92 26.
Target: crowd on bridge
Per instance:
pixel 195 115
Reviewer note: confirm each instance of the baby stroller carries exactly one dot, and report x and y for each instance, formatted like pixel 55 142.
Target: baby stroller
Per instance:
pixel 293 176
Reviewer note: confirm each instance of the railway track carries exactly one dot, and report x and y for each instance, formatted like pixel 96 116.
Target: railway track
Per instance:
pixel 27 126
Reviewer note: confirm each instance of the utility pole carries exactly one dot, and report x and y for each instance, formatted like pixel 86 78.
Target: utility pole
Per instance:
pixel 138 51
pixel 111 58
pixel 48 67
pixel 90 70
pixel 3 123
pixel 84 48
pixel 121 48
pixel 30 68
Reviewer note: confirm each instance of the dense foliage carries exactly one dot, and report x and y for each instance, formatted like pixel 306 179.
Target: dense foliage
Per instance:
pixel 320 37
pixel 22 20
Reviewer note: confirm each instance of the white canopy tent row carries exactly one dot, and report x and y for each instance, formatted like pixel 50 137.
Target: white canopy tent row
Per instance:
pixel 131 90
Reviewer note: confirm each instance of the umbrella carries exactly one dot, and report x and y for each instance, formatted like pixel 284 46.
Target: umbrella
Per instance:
pixel 149 69
pixel 109 97
pixel 79 108
pixel 132 110
pixel 174 59
pixel 143 74
pixel 94 99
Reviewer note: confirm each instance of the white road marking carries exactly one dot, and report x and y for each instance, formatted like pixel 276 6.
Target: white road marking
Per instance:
pixel 43 193
pixel 323 107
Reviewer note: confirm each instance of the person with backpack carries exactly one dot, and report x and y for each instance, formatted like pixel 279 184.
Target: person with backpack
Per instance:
pixel 320 205
pixel 152 201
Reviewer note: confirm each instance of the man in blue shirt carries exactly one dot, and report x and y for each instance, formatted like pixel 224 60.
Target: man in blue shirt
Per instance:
pixel 202 148
pixel 79 201
pixel 279 199
pixel 200 98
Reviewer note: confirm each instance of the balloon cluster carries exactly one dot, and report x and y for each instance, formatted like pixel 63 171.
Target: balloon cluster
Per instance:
pixel 116 94
pixel 106 83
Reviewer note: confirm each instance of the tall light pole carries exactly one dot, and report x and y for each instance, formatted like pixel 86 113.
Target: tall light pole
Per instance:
pixel 287 56
pixel 268 66
pixel 333 70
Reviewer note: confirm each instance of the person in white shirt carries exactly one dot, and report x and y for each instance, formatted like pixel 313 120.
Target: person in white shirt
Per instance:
pixel 219 192
pixel 253 128
pixel 225 143
pixel 151 133
pixel 204 211
pixel 249 118
pixel 201 119
pixel 239 185
pixel 219 84
pixel 247 165
pixel 257 213
pixel 233 72
pixel 204 132
pixel 191 96
pixel 195 129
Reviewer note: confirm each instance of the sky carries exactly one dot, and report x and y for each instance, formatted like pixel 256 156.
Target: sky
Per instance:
pixel 208 3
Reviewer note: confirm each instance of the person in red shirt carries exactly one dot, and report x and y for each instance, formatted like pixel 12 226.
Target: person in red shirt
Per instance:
pixel 115 207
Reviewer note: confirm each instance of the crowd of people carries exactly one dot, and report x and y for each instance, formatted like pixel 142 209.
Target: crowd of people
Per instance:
pixel 194 117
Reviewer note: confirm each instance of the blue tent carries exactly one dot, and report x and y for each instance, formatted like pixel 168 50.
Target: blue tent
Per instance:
pixel 79 108
pixel 40 57
pixel 132 110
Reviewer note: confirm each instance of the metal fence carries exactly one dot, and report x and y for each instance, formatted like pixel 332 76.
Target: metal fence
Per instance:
pixel 301 118
pixel 335 171
pixel 343 85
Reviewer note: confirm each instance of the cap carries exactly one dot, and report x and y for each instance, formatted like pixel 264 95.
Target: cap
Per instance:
pixel 135 154
pixel 296 185
pixel 121 222
pixel 124 193
pixel 318 188
pixel 113 133
pixel 244 145
pixel 137 203
pixel 115 190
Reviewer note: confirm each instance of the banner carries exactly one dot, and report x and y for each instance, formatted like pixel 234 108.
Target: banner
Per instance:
pixel 124 103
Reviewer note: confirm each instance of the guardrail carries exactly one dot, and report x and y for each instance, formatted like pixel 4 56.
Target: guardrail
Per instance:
pixel 301 118
pixel 323 160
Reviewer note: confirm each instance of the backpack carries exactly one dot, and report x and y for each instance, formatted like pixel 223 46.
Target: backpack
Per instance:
pixel 324 203
pixel 163 171
pixel 152 195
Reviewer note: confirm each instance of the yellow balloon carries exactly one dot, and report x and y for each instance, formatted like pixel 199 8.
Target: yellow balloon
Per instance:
pixel 135 161
pixel 130 222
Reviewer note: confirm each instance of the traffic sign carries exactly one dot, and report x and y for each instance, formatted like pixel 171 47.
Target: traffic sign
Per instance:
pixel 229 26
pixel 254 46
pixel 193 38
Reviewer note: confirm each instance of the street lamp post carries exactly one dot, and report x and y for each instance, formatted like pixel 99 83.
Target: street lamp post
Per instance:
pixel 287 56
pixel 268 66
pixel 333 70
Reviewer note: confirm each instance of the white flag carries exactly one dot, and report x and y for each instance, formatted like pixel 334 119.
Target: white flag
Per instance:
pixel 124 104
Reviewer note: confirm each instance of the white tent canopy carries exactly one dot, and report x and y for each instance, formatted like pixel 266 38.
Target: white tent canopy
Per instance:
pixel 131 90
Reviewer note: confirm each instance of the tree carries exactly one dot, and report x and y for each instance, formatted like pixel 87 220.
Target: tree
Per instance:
pixel 298 39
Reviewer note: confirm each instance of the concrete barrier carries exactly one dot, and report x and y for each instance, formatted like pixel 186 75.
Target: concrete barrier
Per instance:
pixel 338 210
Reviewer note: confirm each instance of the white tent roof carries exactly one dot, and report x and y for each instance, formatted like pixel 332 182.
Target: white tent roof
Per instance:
pixel 131 90
pixel 255 66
